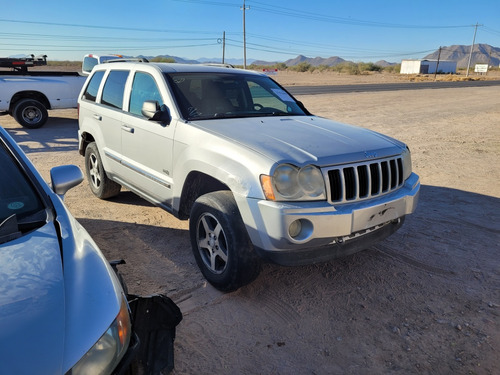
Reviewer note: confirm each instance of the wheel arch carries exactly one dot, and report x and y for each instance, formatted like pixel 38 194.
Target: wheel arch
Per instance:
pixel 87 138
pixel 29 94
pixel 197 184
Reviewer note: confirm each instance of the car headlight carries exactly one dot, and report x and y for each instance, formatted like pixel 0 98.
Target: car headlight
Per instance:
pixel 406 163
pixel 107 352
pixel 289 182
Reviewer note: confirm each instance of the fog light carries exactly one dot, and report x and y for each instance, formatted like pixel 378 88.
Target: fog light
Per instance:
pixel 295 228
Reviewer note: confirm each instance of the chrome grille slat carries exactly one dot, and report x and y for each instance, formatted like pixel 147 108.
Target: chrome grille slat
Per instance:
pixel 355 182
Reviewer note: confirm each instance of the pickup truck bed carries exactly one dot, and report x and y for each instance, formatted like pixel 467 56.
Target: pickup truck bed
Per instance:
pixel 28 95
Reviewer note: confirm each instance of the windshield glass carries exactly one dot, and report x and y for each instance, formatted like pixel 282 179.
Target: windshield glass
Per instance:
pixel 228 95
pixel 17 195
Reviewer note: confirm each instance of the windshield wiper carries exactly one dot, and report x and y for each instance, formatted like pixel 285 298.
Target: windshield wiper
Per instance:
pixel 9 229
pixel 14 227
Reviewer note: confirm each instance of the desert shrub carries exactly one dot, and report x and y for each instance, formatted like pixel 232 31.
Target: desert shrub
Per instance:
pixel 322 68
pixel 369 67
pixel 280 66
pixel 303 67
pixel 392 68
pixel 65 63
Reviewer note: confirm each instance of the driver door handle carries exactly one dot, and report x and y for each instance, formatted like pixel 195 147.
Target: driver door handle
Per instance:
pixel 128 129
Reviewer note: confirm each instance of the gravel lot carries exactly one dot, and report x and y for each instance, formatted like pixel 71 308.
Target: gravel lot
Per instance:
pixel 424 301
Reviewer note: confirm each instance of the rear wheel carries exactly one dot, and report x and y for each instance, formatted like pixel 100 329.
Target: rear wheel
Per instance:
pixel 99 183
pixel 30 113
pixel 220 243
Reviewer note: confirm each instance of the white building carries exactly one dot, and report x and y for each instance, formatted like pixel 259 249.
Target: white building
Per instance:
pixel 427 66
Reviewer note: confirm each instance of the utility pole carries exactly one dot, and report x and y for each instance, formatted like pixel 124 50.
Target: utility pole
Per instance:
pixel 244 37
pixel 223 46
pixel 437 65
pixel 471 48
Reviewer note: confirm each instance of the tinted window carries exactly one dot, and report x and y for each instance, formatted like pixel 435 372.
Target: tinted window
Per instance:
pixel 89 63
pixel 17 196
pixel 112 94
pixel 143 88
pixel 225 95
pixel 93 86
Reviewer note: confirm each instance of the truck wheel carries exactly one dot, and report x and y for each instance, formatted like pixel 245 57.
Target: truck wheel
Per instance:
pixel 220 242
pixel 30 113
pixel 99 183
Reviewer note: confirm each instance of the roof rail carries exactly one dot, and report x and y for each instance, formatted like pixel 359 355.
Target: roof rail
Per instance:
pixel 141 59
pixel 222 65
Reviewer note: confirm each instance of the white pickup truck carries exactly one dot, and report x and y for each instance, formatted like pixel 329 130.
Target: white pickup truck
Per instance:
pixel 27 95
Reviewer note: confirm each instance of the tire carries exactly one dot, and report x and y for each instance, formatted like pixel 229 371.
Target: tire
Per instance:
pixel 30 113
pixel 99 183
pixel 220 242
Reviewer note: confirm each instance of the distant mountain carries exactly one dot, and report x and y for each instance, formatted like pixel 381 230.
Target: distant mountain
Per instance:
pixel 218 60
pixel 179 60
pixel 481 54
pixel 316 61
pixel 384 63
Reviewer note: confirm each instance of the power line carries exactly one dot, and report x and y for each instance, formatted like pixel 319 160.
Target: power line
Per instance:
pixel 341 20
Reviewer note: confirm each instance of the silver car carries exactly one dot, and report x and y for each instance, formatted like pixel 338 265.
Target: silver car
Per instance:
pixel 62 307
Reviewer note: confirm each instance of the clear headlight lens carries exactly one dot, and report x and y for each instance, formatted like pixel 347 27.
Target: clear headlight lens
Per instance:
pixel 293 183
pixel 286 181
pixel 107 352
pixel 406 163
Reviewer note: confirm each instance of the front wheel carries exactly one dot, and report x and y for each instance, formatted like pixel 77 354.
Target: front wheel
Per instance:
pixel 30 113
pixel 99 183
pixel 220 243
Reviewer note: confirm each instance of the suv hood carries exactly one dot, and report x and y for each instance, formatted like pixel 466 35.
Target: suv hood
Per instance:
pixel 304 139
pixel 32 303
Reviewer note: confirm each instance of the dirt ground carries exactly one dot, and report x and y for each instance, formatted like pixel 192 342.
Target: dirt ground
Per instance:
pixel 424 301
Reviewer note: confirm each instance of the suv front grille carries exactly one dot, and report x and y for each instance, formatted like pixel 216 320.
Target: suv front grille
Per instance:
pixel 354 182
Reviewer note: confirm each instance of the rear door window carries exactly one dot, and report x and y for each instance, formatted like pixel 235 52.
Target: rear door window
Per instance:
pixel 93 86
pixel 112 93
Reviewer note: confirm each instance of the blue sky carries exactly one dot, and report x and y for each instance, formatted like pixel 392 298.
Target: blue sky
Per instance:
pixel 275 30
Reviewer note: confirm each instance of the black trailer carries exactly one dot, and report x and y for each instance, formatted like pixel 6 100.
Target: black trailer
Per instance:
pixel 21 64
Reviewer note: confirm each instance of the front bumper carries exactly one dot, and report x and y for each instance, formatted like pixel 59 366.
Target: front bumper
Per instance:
pixel 343 229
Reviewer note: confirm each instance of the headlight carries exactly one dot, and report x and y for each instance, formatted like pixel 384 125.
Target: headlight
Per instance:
pixel 107 352
pixel 406 163
pixel 292 183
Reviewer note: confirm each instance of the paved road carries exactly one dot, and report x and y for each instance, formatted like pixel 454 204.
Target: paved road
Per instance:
pixel 332 89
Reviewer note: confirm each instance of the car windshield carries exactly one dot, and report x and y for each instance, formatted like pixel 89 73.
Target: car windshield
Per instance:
pixel 21 208
pixel 202 96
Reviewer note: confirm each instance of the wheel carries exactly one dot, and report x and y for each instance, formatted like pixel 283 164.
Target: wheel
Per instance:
pixel 99 183
pixel 30 113
pixel 220 243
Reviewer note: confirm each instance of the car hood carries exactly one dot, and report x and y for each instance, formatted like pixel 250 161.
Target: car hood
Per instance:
pixel 304 139
pixel 32 304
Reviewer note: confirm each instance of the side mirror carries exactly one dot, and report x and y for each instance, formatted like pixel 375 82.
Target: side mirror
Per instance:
pixel 152 110
pixel 64 178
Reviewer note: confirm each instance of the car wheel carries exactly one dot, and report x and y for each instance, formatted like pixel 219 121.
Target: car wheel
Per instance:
pixel 220 242
pixel 99 183
pixel 30 113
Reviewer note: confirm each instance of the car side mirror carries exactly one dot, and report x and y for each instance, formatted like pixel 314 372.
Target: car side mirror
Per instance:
pixel 152 110
pixel 65 177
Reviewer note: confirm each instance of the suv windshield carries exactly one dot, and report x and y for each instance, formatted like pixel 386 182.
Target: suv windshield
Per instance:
pixel 21 208
pixel 225 95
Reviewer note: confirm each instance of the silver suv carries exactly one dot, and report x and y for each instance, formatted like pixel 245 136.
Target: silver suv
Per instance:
pixel 256 173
